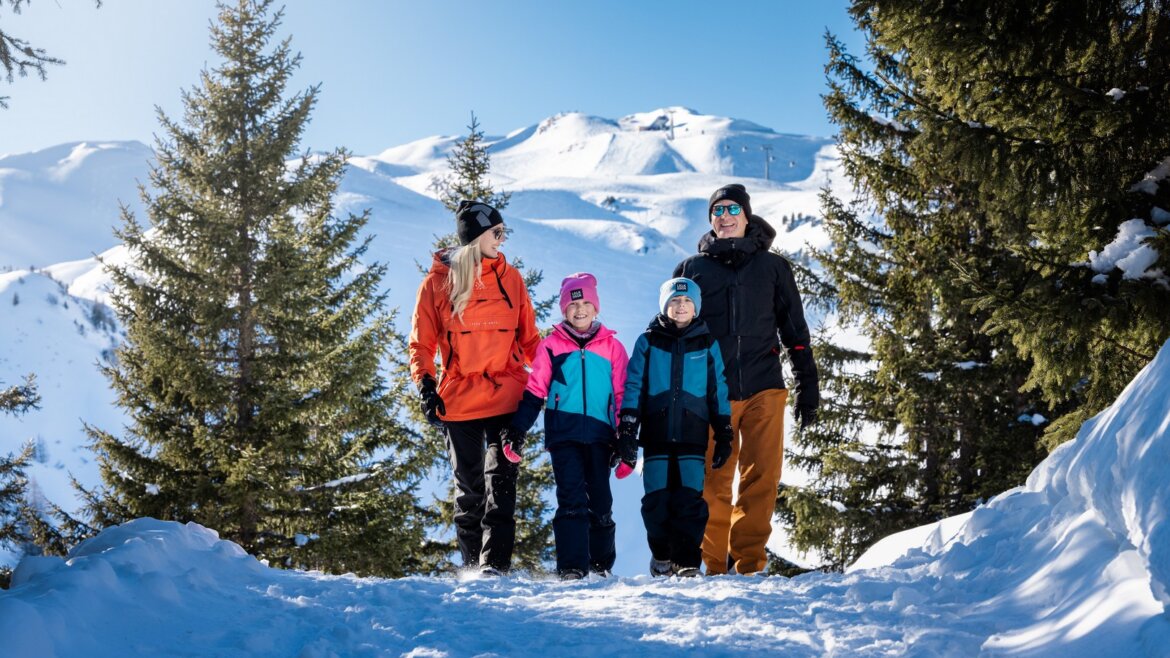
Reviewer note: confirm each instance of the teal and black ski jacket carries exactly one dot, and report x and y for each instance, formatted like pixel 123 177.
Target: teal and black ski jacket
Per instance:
pixel 675 385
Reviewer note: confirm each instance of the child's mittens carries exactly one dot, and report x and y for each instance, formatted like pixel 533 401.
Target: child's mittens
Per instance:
pixel 512 441
pixel 627 445
pixel 623 470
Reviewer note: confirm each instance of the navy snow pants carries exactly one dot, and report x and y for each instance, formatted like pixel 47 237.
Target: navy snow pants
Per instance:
pixel 583 526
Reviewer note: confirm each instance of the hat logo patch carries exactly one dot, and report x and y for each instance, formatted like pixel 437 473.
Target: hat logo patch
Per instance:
pixel 482 214
pixel 576 294
pixel 680 286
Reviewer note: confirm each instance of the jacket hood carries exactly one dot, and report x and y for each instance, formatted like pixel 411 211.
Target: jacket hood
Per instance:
pixel 757 237
pixel 441 261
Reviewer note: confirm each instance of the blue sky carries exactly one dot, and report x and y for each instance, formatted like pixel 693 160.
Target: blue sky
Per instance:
pixel 394 71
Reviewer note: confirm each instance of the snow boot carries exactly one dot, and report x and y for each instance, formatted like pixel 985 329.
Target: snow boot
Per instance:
pixel 661 568
pixel 488 571
pixel 686 572
pixel 572 574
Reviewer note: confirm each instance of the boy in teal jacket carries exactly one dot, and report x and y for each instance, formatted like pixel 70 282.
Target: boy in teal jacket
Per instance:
pixel 676 392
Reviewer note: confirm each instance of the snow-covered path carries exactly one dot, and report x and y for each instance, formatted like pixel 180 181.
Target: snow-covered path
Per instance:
pixel 154 588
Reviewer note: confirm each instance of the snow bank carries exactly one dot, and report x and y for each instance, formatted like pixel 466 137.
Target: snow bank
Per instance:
pixel 1117 469
pixel 1080 556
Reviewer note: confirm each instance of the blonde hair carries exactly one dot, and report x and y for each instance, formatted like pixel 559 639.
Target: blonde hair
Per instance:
pixel 461 278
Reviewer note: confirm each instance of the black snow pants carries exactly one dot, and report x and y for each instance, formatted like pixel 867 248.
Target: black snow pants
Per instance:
pixel 485 508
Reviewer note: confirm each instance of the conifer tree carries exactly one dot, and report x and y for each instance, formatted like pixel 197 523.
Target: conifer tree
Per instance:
pixel 1053 119
pixel 20 398
pixel 996 146
pixel 17 56
pixel 930 420
pixel 255 333
pixel 14 536
pixel 469 165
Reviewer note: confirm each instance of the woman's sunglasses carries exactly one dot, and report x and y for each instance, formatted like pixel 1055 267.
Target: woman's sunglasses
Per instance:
pixel 499 232
pixel 733 209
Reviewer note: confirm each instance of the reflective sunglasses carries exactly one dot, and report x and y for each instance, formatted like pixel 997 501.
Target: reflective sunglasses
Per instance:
pixel 734 209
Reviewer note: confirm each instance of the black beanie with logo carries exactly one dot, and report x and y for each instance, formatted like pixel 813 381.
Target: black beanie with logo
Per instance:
pixel 473 218
pixel 734 192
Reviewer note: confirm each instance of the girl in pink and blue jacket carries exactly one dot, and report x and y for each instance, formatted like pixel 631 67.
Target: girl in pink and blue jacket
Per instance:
pixel 578 376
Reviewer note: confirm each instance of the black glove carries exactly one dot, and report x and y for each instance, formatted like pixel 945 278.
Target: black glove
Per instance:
pixel 432 403
pixel 806 416
pixel 722 451
pixel 512 444
pixel 628 439
pixel 721 454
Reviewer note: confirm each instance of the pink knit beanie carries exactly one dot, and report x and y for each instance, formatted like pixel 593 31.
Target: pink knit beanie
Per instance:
pixel 581 286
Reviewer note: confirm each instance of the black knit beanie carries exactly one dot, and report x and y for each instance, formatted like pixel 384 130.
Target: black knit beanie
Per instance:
pixel 734 192
pixel 473 218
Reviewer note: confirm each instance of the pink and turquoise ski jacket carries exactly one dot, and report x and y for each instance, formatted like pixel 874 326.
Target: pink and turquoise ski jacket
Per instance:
pixel 581 387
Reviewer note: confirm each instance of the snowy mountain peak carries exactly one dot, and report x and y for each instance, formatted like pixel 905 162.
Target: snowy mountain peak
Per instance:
pixel 60 203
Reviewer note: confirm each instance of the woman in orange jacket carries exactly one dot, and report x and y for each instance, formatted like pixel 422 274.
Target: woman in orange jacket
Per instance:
pixel 474 311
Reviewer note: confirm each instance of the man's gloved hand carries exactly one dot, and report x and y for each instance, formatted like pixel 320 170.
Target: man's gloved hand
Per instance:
pixel 512 443
pixel 806 416
pixel 722 452
pixel 432 404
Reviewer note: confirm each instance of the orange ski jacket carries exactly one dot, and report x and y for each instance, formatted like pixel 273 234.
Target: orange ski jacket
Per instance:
pixel 483 355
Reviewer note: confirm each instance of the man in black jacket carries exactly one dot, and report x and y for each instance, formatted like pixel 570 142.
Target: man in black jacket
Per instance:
pixel 752 307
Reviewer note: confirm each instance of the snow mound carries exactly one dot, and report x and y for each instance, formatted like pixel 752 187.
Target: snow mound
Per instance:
pixel 1083 545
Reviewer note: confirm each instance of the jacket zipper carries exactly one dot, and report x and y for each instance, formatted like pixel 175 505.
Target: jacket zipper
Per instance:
pixel 500 284
pixel 676 380
pixel 584 388
pixel 738 336
pixel 738 361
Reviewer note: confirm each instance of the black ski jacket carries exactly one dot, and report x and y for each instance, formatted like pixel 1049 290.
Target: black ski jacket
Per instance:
pixel 752 307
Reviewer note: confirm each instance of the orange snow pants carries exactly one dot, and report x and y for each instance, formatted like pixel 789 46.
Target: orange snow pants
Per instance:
pixel 741 530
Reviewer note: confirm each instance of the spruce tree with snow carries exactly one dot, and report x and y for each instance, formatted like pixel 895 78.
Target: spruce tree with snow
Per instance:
pixel 1053 124
pixel 20 398
pixel 999 159
pixel 935 417
pixel 255 333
